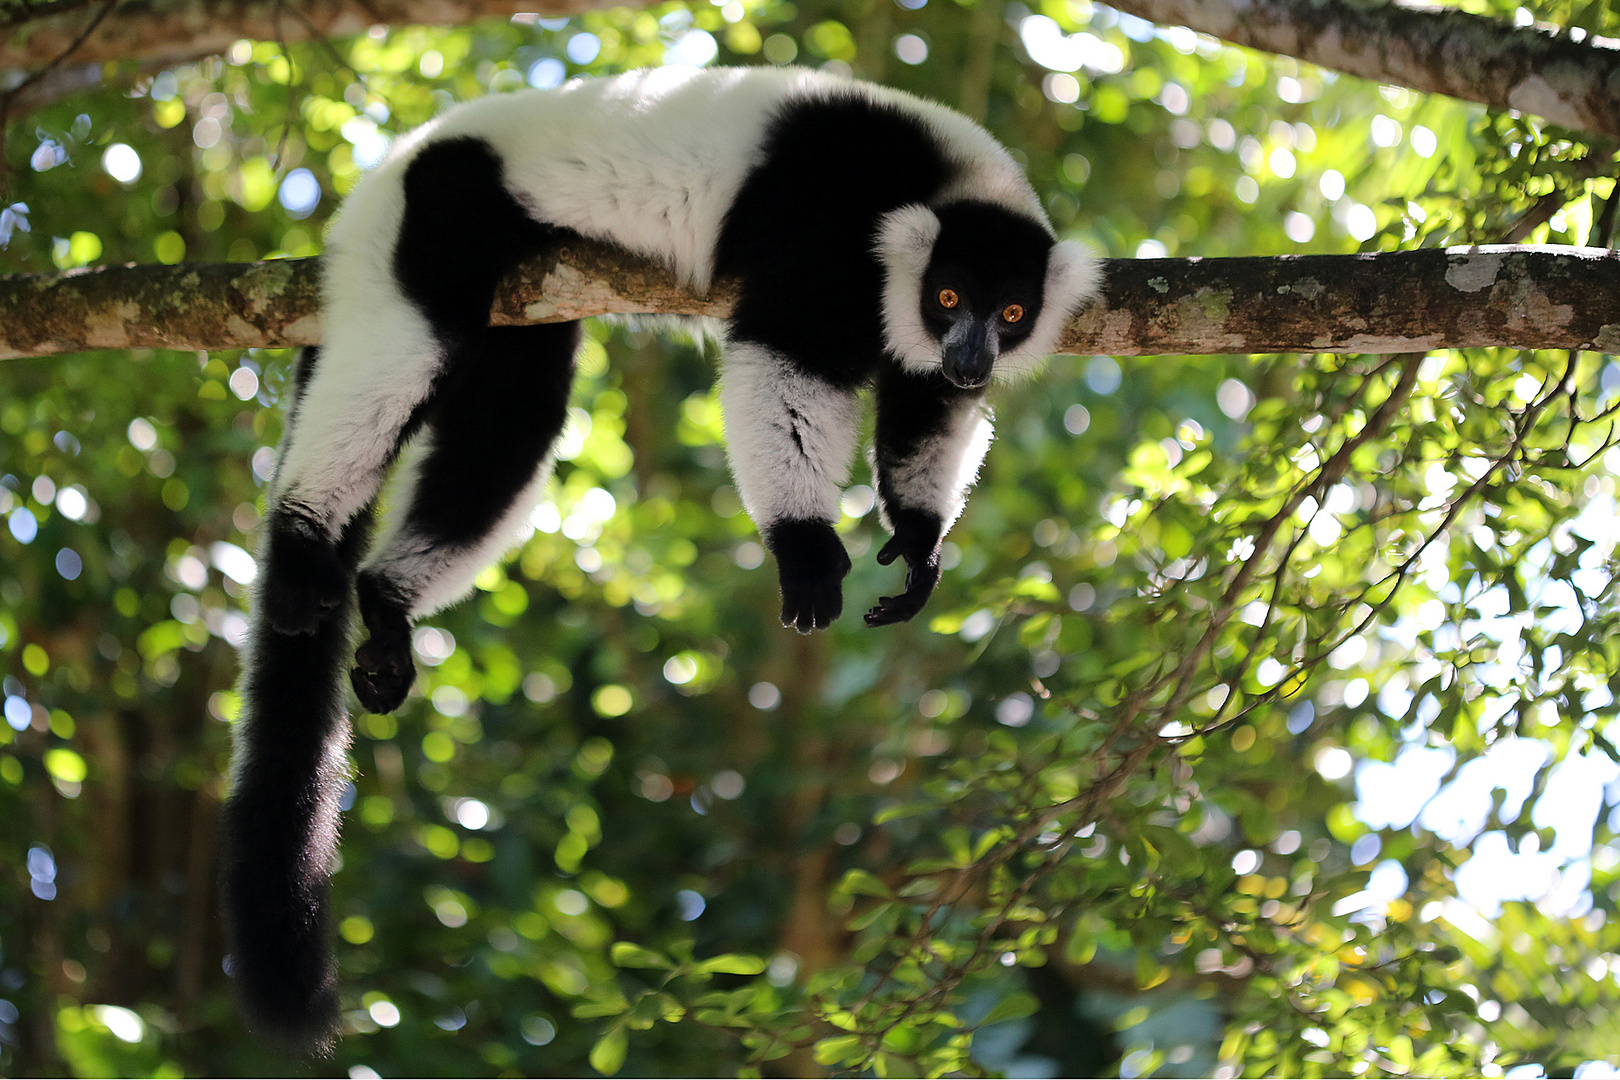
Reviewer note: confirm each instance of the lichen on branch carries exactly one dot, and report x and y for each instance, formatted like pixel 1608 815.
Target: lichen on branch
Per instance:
pixel 1515 297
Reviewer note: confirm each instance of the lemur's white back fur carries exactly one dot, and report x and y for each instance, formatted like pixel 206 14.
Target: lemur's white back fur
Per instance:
pixel 650 161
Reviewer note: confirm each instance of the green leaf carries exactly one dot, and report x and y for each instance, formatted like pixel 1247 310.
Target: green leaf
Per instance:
pixel 652 1007
pixel 838 1049
pixel 930 866
pixel 859 882
pixel 1011 1007
pixel 597 1008
pixel 867 918
pixel 731 964
pixel 607 1056
pixel 900 810
pixel 626 954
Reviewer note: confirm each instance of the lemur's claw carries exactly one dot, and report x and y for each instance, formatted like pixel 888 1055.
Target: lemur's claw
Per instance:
pixel 383 671
pixel 812 606
pixel 894 609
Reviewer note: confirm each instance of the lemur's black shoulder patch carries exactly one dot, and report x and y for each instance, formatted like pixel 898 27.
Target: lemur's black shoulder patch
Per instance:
pixel 803 223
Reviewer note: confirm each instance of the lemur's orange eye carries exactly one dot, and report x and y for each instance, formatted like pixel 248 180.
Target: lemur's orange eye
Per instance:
pixel 1012 312
pixel 947 298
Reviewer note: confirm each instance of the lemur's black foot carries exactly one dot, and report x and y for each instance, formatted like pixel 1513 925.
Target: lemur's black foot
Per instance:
pixel 811 563
pixel 305 580
pixel 917 539
pixel 382 675
pixel 383 671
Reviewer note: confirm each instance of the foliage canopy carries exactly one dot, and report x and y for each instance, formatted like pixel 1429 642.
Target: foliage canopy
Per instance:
pixel 1263 720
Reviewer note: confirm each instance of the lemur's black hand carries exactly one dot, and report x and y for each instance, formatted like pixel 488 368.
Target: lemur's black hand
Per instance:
pixel 811 562
pixel 921 552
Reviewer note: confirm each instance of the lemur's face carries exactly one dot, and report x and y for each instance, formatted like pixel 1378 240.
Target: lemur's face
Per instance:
pixel 983 288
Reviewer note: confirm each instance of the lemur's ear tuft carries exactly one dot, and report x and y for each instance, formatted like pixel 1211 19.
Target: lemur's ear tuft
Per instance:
pixel 1073 275
pixel 905 239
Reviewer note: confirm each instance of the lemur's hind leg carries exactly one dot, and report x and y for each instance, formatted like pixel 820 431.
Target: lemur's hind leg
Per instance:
pixel 306 575
pixel 477 394
pixel 464 490
pixel 397 313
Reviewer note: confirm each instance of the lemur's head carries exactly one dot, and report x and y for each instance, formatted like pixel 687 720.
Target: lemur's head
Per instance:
pixel 977 290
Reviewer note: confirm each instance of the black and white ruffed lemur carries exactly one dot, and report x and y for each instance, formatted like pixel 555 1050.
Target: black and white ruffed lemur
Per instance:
pixel 879 241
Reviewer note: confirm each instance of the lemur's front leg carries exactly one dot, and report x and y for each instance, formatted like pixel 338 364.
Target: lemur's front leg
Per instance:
pixel 931 437
pixel 790 435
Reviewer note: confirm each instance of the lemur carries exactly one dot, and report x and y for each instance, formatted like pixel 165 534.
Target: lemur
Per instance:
pixel 878 241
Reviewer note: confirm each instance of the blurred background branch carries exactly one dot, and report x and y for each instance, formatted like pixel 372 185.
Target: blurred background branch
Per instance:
pixel 34 35
pixel 1562 74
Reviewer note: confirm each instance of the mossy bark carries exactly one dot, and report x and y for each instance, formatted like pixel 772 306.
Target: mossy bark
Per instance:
pixel 1404 301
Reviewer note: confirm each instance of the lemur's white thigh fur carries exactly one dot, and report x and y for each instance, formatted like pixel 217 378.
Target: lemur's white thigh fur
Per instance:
pixel 790 436
pixel 378 360
pixel 330 469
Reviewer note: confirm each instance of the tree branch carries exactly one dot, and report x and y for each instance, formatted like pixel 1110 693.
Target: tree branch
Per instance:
pixel 1405 301
pixel 1556 76
pixel 1525 297
pixel 151 30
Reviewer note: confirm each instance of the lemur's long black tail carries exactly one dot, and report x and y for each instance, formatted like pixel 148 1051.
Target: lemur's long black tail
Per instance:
pixel 287 778
pixel 281 826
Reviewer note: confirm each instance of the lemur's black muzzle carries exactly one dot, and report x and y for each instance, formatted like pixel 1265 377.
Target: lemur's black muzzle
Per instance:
pixel 968 356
